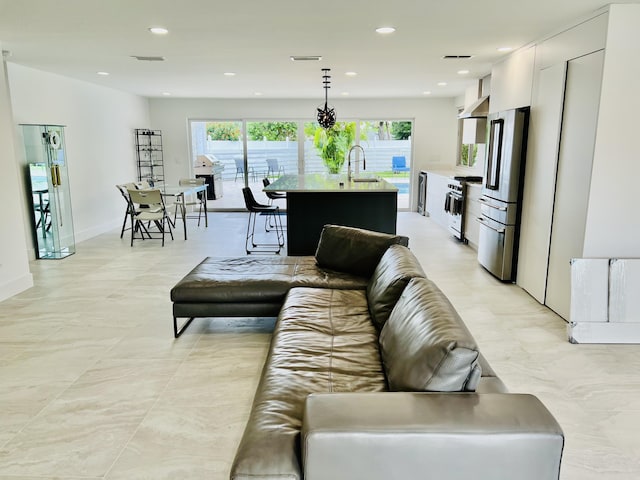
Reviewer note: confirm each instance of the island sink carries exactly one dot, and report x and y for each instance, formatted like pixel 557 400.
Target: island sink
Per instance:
pixel 366 179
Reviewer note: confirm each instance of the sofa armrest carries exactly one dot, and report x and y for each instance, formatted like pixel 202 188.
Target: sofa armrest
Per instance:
pixel 451 436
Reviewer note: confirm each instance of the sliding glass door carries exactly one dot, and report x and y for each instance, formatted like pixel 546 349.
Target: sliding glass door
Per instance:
pixel 249 151
pixel 272 149
pixel 222 143
pixel 387 144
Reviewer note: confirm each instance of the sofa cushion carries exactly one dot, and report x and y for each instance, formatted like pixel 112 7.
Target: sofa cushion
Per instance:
pixel 425 346
pixel 354 250
pixel 323 342
pixel 392 274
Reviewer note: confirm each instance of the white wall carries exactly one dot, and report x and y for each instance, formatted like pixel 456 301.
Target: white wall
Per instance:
pixel 14 262
pixel 99 139
pixel 434 139
pixel 613 219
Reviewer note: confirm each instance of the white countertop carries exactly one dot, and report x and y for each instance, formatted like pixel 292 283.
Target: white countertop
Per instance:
pixel 442 173
pixel 318 182
pixel 452 173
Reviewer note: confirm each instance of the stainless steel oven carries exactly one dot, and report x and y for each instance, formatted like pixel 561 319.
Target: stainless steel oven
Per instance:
pixel 455 204
pixel 454 207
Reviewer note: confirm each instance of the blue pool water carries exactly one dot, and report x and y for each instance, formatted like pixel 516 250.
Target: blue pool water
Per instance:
pixel 402 187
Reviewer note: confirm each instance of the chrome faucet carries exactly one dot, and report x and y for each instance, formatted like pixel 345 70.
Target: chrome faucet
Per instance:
pixel 364 161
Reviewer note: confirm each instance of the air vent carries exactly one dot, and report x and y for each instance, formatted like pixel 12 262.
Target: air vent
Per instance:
pixel 305 58
pixel 456 57
pixel 148 59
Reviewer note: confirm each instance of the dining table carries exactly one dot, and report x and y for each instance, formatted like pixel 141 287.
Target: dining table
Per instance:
pixel 179 193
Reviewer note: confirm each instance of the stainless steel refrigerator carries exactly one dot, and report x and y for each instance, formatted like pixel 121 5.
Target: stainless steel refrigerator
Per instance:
pixel 501 198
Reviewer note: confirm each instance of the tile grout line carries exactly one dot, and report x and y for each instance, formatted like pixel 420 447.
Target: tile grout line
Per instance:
pixel 164 389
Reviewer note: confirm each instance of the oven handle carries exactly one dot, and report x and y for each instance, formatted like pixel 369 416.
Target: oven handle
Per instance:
pixel 484 201
pixel 483 222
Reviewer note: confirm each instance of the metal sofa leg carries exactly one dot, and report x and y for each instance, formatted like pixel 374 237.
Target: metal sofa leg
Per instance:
pixel 176 332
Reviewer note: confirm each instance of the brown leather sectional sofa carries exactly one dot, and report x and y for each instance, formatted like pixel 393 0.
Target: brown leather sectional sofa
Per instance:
pixel 371 373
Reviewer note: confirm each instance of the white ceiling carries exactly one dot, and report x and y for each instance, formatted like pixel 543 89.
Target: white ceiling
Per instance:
pixel 255 38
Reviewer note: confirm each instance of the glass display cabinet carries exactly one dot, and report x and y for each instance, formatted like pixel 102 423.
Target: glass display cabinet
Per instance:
pixel 49 192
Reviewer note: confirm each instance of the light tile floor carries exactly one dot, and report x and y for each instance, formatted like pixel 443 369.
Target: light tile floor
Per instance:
pixel 93 385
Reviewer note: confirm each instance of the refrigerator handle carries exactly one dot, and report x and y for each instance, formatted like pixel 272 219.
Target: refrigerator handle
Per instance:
pixel 482 221
pixel 494 159
pixel 484 201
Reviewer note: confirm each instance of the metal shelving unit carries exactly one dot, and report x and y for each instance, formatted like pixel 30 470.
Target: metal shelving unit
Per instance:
pixel 149 155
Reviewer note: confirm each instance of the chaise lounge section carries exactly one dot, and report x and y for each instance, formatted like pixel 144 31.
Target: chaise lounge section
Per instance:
pixel 257 286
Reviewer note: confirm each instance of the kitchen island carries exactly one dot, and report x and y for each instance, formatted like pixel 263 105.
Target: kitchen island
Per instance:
pixel 314 200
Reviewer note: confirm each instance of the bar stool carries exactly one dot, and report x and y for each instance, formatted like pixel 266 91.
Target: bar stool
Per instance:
pixel 272 196
pixel 256 209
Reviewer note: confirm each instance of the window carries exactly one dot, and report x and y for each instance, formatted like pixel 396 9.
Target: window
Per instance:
pixel 249 151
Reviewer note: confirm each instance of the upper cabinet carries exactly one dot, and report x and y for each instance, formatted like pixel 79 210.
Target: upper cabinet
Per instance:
pixel 586 37
pixel 512 81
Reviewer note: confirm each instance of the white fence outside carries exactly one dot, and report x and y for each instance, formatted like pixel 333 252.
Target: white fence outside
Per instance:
pixel 378 155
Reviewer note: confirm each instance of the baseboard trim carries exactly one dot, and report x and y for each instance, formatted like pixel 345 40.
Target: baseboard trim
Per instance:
pixel 16 286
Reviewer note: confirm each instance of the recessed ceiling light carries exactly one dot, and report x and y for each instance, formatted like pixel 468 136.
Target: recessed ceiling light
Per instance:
pixel 345 94
pixel 229 74
pixel 426 93
pixel 159 30
pixel 145 58
pixel 385 30
pixel 104 74
pixel 257 94
pixel 505 49
pixel 305 58
pixel 442 84
pixel 463 72
pixel 166 94
pixel 351 74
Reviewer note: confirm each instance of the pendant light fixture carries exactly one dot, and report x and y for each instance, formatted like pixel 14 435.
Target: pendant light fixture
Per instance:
pixel 326 116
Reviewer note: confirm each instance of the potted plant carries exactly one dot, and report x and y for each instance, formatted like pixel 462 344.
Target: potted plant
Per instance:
pixel 333 144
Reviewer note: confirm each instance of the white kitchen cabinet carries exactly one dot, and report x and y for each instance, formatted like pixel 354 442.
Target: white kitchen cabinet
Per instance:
pixel 555 203
pixel 472 213
pixel 584 38
pixel 575 161
pixel 540 180
pixel 512 80
pixel 436 193
pixel 474 131
pixel 558 178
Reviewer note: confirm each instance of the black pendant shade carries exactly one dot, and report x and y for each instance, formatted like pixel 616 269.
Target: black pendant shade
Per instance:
pixel 326 116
